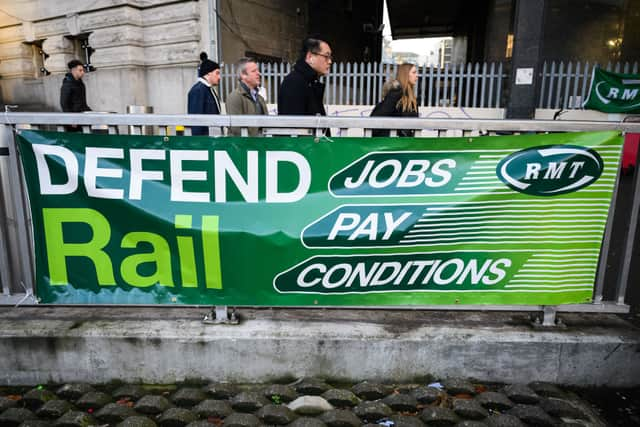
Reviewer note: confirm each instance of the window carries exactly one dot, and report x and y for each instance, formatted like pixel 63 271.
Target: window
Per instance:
pixel 82 50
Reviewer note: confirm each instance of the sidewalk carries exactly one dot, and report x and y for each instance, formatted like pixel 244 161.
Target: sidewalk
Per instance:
pixel 309 402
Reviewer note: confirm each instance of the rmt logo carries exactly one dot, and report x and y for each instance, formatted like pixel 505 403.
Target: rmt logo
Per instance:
pixel 550 170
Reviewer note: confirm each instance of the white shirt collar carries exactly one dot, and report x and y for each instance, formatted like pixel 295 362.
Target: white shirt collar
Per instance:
pixel 204 81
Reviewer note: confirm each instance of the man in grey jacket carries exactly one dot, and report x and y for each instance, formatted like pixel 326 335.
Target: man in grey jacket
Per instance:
pixel 245 98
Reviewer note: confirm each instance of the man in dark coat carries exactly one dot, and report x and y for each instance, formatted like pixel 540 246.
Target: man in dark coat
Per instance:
pixel 73 95
pixel 301 91
pixel 202 98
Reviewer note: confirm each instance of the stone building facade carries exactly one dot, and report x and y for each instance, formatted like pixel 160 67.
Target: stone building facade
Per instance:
pixel 145 52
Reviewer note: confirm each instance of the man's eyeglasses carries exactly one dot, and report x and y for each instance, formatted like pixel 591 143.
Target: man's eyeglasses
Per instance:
pixel 327 56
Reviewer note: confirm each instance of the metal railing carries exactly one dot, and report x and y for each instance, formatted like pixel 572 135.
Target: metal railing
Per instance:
pixel 565 85
pixel 17 255
pixel 351 83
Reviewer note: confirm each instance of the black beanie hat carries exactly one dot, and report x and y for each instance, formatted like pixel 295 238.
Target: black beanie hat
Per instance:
pixel 207 66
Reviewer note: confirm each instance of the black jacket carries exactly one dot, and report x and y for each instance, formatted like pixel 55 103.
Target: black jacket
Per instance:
pixel 201 100
pixel 73 95
pixel 301 93
pixel 388 107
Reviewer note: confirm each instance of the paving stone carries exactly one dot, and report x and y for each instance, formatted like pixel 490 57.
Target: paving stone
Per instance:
pixel 176 417
pixel 371 391
pixel 75 419
pixel 312 387
pixel 468 408
pixel 137 421
pixel 187 397
pixel 340 418
pixel 93 400
pixel 546 389
pixel 521 393
pixel 341 398
pixel 276 415
pixel 248 401
pixel 13 417
pixel 455 386
pixel 114 413
pixel 33 399
pixel 279 393
pixel 406 388
pixel 437 416
pixel 310 405
pixel 401 402
pixel 54 409
pixel 36 423
pixel 221 391
pixel 213 408
pixel 427 394
pixel 406 421
pixel 152 404
pixel 129 391
pixel 504 420
pixel 73 392
pixel 6 403
pixel 561 409
pixel 471 423
pixel 531 414
pixel 307 422
pixel 494 401
pixel 200 423
pixel 372 411
pixel 241 420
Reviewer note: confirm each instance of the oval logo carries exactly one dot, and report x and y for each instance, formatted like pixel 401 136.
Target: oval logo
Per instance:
pixel 550 170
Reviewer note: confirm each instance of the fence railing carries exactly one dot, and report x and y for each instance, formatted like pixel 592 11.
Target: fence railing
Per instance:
pixel 565 85
pixel 17 255
pixel 562 85
pixel 456 85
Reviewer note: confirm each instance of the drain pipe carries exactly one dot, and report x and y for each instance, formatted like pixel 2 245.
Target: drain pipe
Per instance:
pixel 214 31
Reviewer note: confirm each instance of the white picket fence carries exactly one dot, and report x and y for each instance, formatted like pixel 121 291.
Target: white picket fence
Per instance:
pixel 565 85
pixel 562 85
pixel 461 85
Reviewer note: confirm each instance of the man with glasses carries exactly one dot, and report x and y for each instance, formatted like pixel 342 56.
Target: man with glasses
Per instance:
pixel 301 91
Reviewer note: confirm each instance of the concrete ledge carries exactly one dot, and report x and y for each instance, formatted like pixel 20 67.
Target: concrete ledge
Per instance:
pixel 165 345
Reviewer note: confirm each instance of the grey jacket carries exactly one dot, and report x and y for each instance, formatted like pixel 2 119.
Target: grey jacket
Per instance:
pixel 239 101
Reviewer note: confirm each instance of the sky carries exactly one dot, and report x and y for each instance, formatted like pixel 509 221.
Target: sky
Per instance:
pixel 422 47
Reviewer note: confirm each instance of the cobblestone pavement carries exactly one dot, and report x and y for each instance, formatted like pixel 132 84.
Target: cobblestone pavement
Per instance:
pixel 308 402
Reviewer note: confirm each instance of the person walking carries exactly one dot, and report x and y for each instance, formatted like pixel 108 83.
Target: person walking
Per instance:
pixel 301 92
pixel 245 99
pixel 73 94
pixel 398 99
pixel 202 97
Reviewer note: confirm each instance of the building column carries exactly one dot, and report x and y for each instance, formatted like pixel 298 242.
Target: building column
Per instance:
pixel 525 62
pixel 60 50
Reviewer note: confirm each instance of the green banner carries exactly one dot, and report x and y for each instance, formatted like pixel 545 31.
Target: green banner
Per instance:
pixel 613 92
pixel 301 221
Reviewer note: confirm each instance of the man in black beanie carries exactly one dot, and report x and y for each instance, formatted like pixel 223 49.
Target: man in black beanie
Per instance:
pixel 202 97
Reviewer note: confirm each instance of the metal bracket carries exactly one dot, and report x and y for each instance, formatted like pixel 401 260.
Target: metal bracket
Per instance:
pixel 549 319
pixel 220 315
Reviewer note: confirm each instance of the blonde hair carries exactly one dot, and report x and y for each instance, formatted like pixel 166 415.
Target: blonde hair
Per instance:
pixel 408 100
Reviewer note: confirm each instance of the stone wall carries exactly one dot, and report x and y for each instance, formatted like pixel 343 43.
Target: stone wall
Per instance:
pixel 145 51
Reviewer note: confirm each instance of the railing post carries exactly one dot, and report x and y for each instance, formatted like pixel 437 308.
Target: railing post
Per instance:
pixel 5 268
pixel 630 240
pixel 21 223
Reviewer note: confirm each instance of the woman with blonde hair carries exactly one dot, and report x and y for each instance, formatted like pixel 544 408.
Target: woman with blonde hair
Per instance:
pixel 398 99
